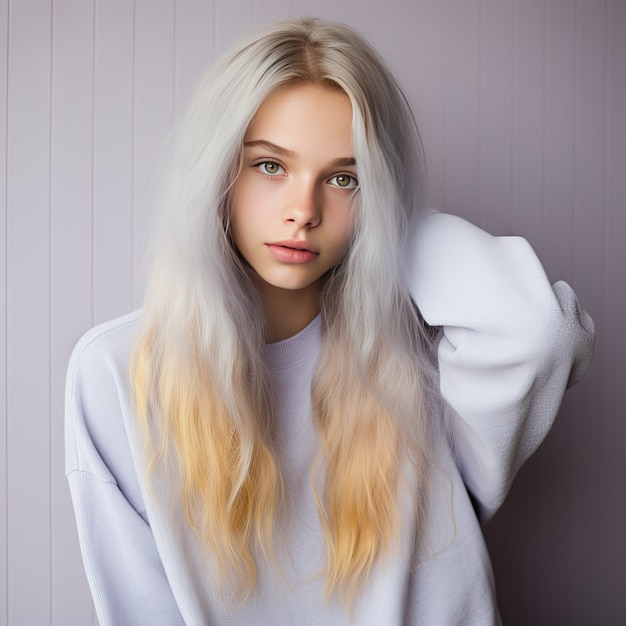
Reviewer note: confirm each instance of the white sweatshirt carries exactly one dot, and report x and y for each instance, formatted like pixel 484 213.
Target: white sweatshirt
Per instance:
pixel 511 343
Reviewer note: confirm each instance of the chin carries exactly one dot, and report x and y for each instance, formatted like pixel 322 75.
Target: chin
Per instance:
pixel 286 284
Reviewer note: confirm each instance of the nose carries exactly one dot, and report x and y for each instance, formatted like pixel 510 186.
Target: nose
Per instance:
pixel 304 206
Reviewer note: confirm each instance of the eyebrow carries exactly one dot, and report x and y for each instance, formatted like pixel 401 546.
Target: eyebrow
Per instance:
pixel 290 154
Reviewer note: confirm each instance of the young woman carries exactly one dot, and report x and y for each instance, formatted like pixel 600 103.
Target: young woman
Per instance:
pixel 328 387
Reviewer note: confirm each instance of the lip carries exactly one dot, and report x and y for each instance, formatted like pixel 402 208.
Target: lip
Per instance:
pixel 291 251
pixel 296 245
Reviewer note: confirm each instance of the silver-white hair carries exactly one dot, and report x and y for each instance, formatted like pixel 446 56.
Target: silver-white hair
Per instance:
pixel 193 258
pixel 200 299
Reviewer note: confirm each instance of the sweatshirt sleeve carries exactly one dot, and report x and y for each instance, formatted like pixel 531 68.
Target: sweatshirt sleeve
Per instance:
pixel 122 563
pixel 511 344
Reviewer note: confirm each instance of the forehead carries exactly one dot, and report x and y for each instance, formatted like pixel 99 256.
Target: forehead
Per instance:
pixel 304 115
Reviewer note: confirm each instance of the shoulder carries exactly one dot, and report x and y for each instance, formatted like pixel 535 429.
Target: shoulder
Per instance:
pixel 98 405
pixel 106 344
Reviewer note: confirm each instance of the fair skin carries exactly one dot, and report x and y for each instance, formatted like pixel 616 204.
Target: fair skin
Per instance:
pixel 292 214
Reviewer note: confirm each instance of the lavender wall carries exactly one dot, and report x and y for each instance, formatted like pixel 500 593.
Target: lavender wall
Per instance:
pixel 522 106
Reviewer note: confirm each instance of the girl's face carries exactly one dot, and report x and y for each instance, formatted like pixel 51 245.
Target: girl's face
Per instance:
pixel 291 206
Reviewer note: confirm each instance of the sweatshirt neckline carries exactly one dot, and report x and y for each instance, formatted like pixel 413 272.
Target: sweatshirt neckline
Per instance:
pixel 295 349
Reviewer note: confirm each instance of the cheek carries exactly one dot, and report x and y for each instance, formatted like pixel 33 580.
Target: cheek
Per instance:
pixel 250 202
pixel 348 224
pixel 241 210
pixel 344 230
pixel 237 201
pixel 237 221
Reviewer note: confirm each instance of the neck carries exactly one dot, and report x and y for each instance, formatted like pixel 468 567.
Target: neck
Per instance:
pixel 287 311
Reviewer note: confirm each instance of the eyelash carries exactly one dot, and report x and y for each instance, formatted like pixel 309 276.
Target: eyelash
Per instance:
pixel 260 165
pixel 354 183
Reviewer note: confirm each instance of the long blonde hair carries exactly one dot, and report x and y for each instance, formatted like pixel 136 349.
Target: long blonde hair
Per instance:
pixel 199 372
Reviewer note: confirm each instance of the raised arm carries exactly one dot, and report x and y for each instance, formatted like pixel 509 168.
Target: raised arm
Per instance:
pixel 511 345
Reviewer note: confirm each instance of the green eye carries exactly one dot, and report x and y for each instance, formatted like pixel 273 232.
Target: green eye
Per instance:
pixel 270 168
pixel 345 181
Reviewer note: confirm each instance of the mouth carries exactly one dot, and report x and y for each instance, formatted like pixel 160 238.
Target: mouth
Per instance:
pixel 294 245
pixel 292 252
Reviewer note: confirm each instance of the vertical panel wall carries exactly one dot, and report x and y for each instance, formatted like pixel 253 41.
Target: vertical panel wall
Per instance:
pixel 613 309
pixel 28 312
pixel 113 144
pixel 153 109
pixel 522 109
pixel 4 47
pixel 71 227
pixel 496 81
